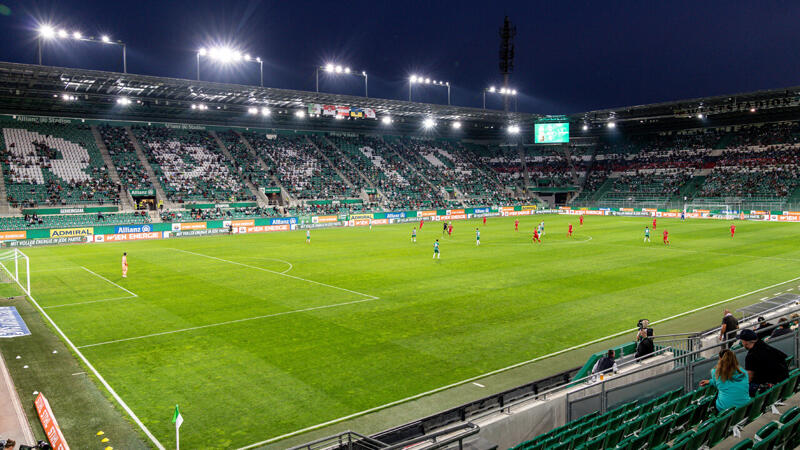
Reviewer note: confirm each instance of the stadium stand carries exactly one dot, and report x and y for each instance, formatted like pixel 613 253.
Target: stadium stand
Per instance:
pixel 54 164
pixel 190 166
pixel 295 163
pixel 131 172
pixel 33 221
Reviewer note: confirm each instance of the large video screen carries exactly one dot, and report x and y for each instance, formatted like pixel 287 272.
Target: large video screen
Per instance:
pixel 551 133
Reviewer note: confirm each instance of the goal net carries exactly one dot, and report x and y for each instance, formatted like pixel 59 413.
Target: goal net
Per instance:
pixel 16 268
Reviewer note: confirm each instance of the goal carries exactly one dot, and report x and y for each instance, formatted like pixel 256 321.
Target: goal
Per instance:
pixel 16 268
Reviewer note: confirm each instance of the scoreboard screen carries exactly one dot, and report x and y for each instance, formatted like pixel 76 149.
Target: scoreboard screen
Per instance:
pixel 551 133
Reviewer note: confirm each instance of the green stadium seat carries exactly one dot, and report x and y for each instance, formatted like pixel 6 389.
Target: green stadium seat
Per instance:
pixel 745 444
pixel 700 437
pixel 757 407
pixel 633 426
pixel 767 429
pixel 790 414
pixel 787 433
pixel 767 443
pixel 660 434
pixel 613 437
pixel 719 431
pixel 789 386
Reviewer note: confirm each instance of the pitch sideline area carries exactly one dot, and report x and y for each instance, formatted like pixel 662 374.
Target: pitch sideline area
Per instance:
pixel 337 259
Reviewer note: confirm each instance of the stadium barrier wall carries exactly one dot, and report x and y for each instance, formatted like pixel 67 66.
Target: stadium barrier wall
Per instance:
pixel 107 233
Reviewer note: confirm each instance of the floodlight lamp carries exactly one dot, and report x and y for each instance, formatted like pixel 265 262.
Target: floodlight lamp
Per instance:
pixel 338 69
pixel 328 67
pixel 611 124
pixel 123 101
pixel 700 116
pixel 363 73
pixel 77 35
pixel 585 127
pixel 752 110
pixel 247 57
pixel 413 79
pixel 237 56
pixel 503 91
pixel 492 89
pixel 299 113
pixel 386 120
pixel 265 111
pixel 346 70
pixel 428 123
pixel 513 92
pixel 513 129
pixel 427 81
pixel 258 59
pixel 47 32
pixel 63 33
pixel 456 125
pixel 447 83
pixel 202 51
pixel 252 110
pixel 194 106
pixel 105 38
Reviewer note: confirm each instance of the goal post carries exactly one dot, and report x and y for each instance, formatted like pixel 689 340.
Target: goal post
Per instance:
pixel 17 267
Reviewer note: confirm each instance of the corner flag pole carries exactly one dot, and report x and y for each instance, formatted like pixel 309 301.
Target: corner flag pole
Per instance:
pixel 177 419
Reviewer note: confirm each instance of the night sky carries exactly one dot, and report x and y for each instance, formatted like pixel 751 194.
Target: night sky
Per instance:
pixel 571 56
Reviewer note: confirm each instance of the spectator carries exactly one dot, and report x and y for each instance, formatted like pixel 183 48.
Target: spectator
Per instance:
pixel 783 328
pixel 795 321
pixel 730 381
pixel 645 347
pixel 9 444
pixel 765 365
pixel 729 327
pixel 605 363
pixel 763 331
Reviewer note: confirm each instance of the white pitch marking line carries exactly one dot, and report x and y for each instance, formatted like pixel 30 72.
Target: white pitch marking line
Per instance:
pixel 96 373
pixel 228 322
pixel 275 259
pixel 115 284
pixel 78 373
pixel 479 385
pixel 764 298
pixel 278 273
pixel 495 372
pixel 91 301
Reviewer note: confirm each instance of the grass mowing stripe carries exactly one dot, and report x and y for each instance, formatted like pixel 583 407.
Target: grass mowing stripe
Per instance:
pixel 279 273
pixel 92 301
pixel 115 284
pixel 229 322
pixel 100 378
pixel 504 369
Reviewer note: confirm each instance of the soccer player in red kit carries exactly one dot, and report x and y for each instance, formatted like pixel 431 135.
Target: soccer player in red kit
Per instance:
pixel 733 229
pixel 581 217
pixel 421 222
pixel 450 230
pixel 536 236
pixel 654 223
pixel 484 220
pixel 569 232
pixel 516 224
pixel 666 237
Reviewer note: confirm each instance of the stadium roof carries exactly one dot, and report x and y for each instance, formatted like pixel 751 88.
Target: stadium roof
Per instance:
pixel 35 89
pixel 23 88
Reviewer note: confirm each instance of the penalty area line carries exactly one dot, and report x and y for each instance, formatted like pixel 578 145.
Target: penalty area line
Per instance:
pixel 498 371
pixel 228 322
pixel 104 278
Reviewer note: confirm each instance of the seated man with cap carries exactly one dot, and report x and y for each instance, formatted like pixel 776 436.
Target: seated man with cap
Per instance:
pixel 765 365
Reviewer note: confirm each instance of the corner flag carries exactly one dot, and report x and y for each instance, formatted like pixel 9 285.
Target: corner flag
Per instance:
pixel 177 419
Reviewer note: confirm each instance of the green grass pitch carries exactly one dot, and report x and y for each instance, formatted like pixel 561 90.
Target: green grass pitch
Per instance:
pixel 260 335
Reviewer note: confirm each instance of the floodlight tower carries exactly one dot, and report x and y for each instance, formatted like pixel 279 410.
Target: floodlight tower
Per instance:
pixel 507 34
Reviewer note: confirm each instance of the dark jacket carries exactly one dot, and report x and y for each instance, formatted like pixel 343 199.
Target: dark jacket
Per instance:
pixel 645 347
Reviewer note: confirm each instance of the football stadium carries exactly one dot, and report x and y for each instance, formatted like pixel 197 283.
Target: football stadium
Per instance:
pixel 212 262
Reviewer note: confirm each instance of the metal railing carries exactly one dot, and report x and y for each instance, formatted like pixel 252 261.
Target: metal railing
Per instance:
pixel 350 440
pixel 684 371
